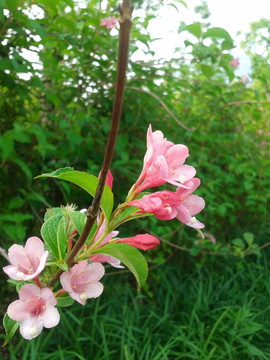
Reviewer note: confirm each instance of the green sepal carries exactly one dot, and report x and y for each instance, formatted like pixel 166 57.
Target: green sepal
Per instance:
pixel 52 212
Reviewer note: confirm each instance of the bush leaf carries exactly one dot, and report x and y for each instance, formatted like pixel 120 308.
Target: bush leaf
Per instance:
pixel 130 257
pixel 54 234
pixel 79 221
pixel 88 183
pixel 10 327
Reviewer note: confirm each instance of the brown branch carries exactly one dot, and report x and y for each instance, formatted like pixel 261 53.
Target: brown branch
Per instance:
pixel 124 34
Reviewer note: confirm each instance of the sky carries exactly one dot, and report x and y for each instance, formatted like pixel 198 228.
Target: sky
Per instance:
pixel 232 15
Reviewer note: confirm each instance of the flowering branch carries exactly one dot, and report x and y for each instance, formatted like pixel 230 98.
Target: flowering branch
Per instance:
pixel 124 34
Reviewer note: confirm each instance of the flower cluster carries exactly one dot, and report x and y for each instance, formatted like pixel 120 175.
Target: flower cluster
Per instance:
pixel 164 162
pixel 37 304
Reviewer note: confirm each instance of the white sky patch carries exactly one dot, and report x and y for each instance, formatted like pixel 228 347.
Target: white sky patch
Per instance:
pixel 232 15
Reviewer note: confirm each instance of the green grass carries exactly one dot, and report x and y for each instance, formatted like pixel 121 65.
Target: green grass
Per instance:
pixel 218 311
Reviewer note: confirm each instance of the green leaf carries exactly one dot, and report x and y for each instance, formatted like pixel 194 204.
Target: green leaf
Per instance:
pixel 248 237
pixel 23 167
pixel 194 29
pixel 217 32
pixel 88 183
pixel 227 45
pixel 239 243
pixel 64 300
pixel 79 221
pixel 187 43
pixel 182 2
pixel 10 328
pixel 7 147
pixel 130 257
pixel 207 70
pixel 11 5
pixel 194 251
pixel 54 234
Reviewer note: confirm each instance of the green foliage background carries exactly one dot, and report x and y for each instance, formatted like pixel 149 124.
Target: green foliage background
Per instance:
pixel 59 114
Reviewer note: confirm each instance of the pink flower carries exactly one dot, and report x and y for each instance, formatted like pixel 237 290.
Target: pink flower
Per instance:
pixel 100 258
pixel 141 241
pixel 244 79
pixel 166 205
pixel 234 62
pixel 109 22
pixel 26 262
pixel 35 309
pixel 82 281
pixel 105 258
pixel 163 162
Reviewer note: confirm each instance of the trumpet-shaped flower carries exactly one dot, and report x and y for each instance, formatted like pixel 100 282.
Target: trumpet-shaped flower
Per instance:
pixel 167 205
pixel 164 162
pixel 26 262
pixel 34 309
pixel 82 281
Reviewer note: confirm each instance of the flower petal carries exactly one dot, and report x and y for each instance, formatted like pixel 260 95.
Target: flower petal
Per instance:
pixel 65 280
pixel 48 296
pixel 17 310
pixel 29 291
pixel 94 290
pixel 194 204
pixel 95 271
pixel 13 272
pixel 31 327
pixel 51 317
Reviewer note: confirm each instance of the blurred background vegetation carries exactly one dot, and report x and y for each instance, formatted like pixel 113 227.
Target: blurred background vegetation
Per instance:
pixel 55 112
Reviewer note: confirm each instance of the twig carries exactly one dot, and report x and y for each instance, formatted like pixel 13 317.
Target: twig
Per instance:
pixel 4 253
pixel 124 34
pixel 163 105
pixel 243 102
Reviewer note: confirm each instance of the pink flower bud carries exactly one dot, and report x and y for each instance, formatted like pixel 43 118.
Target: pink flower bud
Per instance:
pixel 35 309
pixel 141 241
pixel 26 262
pixel 82 281
pixel 109 179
